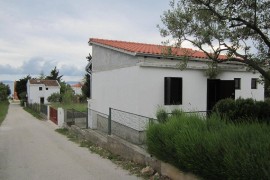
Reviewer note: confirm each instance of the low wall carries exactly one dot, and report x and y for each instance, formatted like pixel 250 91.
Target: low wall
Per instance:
pixel 131 152
pixel 122 131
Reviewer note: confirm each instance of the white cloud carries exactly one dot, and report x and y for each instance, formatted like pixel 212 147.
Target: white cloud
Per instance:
pixel 37 35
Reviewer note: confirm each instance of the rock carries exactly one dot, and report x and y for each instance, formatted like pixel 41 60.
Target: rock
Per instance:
pixel 147 171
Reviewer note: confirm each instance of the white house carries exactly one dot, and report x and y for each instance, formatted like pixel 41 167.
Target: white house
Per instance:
pixel 138 78
pixel 77 88
pixel 39 90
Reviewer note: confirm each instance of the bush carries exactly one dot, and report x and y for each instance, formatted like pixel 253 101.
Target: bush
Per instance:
pixel 162 115
pixel 55 97
pixel 243 110
pixel 211 148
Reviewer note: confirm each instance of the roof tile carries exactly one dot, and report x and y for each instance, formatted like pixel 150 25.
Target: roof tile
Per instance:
pixel 45 82
pixel 153 49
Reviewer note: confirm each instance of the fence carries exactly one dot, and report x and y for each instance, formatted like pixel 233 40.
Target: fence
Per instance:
pixel 128 126
pixel 77 118
pixel 44 109
pixel 35 107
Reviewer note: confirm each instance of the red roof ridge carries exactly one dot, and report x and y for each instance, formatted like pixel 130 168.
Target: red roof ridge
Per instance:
pixel 154 49
pixel 131 42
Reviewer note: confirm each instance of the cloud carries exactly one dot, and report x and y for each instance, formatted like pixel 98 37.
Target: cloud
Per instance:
pixel 37 65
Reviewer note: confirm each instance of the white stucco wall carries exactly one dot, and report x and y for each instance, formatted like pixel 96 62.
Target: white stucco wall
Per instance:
pixel 77 90
pixel 107 59
pixel 245 91
pixel 140 90
pixel 34 94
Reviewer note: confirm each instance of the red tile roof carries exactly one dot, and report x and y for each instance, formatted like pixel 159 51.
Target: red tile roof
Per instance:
pixel 150 49
pixel 79 85
pixel 45 82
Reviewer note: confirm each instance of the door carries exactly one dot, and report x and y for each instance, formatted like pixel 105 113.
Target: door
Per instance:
pixel 219 89
pixel 42 100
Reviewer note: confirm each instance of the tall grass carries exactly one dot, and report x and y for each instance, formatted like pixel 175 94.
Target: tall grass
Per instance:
pixel 211 148
pixel 3 110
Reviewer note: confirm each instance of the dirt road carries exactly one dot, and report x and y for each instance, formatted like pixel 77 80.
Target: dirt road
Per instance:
pixel 30 149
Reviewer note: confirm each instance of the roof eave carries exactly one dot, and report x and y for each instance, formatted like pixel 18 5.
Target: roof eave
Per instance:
pixel 112 48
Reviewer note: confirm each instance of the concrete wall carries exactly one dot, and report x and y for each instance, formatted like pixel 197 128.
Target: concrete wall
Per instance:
pixel 107 59
pixel 122 131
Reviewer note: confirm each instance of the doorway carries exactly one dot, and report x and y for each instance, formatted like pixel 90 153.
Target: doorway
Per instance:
pixel 42 100
pixel 219 89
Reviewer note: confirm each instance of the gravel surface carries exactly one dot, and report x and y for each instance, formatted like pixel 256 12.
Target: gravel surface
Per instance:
pixel 30 149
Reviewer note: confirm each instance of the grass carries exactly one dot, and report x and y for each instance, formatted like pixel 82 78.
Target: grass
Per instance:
pixel 77 106
pixel 3 110
pixel 34 113
pixel 132 167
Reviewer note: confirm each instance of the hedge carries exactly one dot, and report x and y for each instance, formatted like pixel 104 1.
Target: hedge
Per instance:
pixel 211 148
pixel 243 110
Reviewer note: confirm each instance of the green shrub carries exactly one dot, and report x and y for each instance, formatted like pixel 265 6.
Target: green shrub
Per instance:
pixel 177 112
pixel 162 115
pixel 55 97
pixel 241 110
pixel 211 148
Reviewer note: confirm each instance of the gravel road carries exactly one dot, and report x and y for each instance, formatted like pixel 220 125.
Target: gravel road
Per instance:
pixel 30 149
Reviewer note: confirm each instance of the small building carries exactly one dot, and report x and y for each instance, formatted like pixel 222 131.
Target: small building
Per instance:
pixel 138 78
pixel 39 90
pixel 77 88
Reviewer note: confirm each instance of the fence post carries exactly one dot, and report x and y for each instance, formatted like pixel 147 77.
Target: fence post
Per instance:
pixel 87 119
pixel 110 122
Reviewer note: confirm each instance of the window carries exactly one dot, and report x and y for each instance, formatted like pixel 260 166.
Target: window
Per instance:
pixel 173 91
pixel 254 83
pixel 40 88
pixel 47 88
pixel 237 83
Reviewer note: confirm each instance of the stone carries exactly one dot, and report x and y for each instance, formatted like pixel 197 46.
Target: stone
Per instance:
pixel 147 171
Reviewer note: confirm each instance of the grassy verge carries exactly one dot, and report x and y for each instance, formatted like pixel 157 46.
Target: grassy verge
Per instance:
pixel 3 110
pixel 132 167
pixel 77 106
pixel 34 113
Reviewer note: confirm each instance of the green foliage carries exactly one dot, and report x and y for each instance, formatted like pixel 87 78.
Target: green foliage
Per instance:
pixel 162 115
pixel 54 75
pixel 21 86
pixel 86 86
pixel 243 110
pixel 68 97
pixel 23 98
pixel 4 91
pixel 211 148
pixel 238 29
pixel 3 110
pixel 177 112
pixel 55 97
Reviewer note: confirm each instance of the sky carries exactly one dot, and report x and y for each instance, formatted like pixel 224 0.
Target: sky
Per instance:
pixel 37 35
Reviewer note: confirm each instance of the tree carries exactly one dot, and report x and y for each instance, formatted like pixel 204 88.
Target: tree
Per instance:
pixel 239 29
pixel 86 86
pixel 21 87
pixel 4 91
pixel 55 75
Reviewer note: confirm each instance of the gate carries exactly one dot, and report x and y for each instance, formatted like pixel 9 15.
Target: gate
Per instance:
pixel 53 115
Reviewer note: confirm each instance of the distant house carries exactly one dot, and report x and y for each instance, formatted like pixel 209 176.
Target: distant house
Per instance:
pixel 77 88
pixel 39 90
pixel 138 78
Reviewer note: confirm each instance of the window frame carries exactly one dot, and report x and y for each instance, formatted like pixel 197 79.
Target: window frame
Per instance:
pixel 173 90
pixel 254 82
